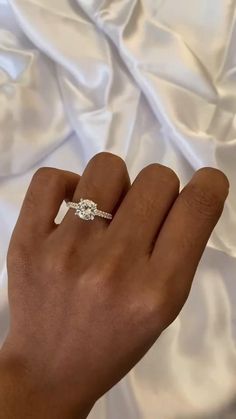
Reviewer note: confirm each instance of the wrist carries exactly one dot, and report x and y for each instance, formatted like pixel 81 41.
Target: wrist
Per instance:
pixel 22 396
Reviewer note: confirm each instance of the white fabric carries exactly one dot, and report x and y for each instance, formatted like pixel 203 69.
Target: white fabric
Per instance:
pixel 153 81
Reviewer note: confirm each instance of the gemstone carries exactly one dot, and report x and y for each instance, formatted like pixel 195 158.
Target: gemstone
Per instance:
pixel 86 209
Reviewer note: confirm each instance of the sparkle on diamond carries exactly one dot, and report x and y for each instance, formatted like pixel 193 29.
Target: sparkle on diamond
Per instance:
pixel 86 209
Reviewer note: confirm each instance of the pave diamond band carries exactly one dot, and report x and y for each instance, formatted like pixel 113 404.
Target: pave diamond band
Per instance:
pixel 87 210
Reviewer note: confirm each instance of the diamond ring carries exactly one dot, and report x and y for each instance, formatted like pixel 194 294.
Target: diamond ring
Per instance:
pixel 87 210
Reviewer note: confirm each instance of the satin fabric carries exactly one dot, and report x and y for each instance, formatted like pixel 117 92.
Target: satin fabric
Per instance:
pixel 153 81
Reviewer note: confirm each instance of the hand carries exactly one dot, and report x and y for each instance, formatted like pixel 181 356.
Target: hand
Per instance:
pixel 89 298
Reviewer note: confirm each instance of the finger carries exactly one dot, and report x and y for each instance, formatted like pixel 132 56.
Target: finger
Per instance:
pixel 145 207
pixel 105 181
pixel 188 227
pixel 47 190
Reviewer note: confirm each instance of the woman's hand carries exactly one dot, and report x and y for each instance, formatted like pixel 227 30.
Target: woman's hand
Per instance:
pixel 89 298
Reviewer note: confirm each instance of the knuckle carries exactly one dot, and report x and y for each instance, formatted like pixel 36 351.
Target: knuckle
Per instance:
pixel 42 178
pixel 164 173
pixel 58 268
pixel 91 186
pixel 105 158
pixel 214 174
pixel 58 260
pixel 202 199
pixel 108 270
pixel 55 265
pixel 145 208
pixel 119 167
pixel 45 176
pixel 104 270
pixel 45 173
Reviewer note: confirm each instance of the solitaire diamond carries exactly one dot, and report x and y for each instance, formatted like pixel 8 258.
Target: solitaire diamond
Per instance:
pixel 86 209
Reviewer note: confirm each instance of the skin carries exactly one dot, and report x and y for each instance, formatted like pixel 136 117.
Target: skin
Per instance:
pixel 89 298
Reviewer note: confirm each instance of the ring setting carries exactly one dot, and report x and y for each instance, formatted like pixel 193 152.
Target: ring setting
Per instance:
pixel 87 210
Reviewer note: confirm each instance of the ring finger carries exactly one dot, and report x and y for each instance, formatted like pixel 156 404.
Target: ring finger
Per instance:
pixel 105 181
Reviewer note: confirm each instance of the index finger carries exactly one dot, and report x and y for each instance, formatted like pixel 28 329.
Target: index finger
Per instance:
pixel 46 192
pixel 189 224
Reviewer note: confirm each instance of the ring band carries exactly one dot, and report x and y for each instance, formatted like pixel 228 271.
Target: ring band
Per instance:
pixel 87 210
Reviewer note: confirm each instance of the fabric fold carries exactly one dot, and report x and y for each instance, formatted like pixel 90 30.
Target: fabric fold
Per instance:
pixel 154 82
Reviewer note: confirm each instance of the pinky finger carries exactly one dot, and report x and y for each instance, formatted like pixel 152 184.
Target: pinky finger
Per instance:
pixel 188 227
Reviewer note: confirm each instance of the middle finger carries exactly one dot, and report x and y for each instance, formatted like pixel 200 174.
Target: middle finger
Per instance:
pixel 145 207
